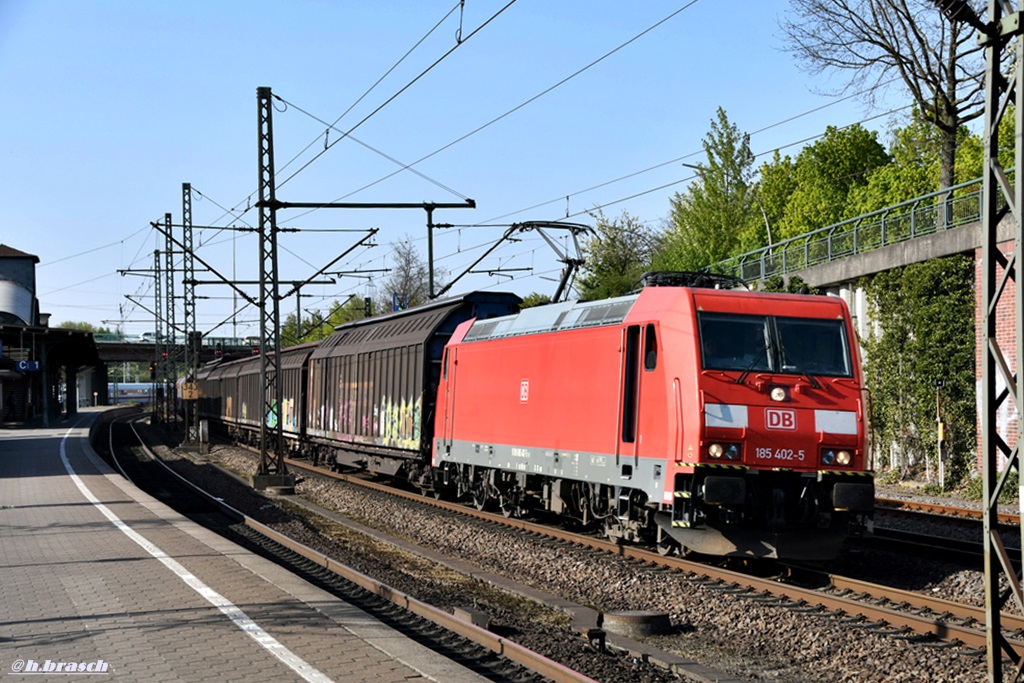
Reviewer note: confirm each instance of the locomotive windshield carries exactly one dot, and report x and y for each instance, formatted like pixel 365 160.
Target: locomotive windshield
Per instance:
pixel 754 343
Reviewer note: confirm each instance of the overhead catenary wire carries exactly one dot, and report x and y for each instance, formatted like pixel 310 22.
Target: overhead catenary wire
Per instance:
pixel 688 155
pixel 330 126
pixel 408 85
pixel 616 201
pixel 461 40
pixel 380 80
pixel 525 103
pixel 631 196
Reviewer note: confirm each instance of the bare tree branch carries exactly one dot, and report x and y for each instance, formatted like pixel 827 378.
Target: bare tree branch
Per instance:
pixel 938 63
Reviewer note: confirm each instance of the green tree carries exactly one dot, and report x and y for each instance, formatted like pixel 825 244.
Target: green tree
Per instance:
pixel 535 299
pixel 776 182
pixel 924 317
pixel 825 173
pixel 709 217
pixel 616 255
pixel 84 327
pixel 319 324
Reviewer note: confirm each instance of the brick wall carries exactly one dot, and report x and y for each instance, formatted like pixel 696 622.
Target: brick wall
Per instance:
pixel 1006 326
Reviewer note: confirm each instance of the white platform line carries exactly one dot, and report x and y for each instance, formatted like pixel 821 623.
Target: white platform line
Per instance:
pixel 240 619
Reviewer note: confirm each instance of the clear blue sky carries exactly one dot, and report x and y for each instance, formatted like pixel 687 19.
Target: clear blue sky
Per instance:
pixel 111 105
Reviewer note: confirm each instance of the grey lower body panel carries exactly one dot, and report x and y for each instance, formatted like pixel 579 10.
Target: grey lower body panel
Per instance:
pixel 643 474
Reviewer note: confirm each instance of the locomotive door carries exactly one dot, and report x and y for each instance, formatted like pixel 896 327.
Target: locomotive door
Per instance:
pixel 626 446
pixel 448 377
pixel 639 357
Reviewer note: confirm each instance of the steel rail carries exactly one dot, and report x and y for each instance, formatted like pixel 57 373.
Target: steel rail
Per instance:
pixel 937 625
pixel 533 661
pixel 940 509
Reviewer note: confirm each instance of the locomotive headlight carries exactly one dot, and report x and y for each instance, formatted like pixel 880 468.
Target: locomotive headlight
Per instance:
pixel 779 394
pixel 729 451
pixel 828 457
pixel 844 457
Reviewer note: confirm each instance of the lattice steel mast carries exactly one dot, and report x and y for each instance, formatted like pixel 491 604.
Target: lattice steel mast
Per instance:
pixel 170 342
pixel 1002 199
pixel 272 472
pixel 193 338
pixel 160 374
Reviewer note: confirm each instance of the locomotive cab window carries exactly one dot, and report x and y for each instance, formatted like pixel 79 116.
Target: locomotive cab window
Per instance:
pixel 751 343
pixel 813 346
pixel 735 342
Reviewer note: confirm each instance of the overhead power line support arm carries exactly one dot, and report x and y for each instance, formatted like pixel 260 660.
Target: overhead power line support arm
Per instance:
pixel 572 263
pixel 426 206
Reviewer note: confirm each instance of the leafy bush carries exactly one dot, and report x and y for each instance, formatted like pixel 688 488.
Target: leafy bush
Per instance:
pixel 890 478
pixel 973 489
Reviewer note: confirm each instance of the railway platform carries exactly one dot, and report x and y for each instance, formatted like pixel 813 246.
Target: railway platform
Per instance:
pixel 100 579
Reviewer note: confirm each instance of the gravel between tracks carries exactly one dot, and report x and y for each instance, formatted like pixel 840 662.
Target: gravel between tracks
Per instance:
pixel 732 634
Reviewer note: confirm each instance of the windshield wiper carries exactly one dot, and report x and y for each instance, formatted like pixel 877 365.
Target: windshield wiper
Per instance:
pixel 795 368
pixel 746 373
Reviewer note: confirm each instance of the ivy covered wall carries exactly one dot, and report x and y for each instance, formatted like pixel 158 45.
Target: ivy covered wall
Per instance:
pixel 920 358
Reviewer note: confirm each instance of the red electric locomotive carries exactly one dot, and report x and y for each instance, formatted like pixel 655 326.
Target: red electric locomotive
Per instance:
pixel 713 421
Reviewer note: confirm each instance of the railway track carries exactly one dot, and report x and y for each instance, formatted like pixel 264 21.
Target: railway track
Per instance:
pixel 903 613
pixel 851 606
pixel 941 509
pixel 943 532
pixel 497 658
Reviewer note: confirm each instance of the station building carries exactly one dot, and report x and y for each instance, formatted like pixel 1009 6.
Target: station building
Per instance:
pixel 45 372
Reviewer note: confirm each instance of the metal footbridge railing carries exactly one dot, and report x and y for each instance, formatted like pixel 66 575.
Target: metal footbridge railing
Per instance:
pixel 946 209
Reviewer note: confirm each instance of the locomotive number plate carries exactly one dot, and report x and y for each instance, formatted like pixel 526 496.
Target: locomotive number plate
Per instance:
pixel 787 454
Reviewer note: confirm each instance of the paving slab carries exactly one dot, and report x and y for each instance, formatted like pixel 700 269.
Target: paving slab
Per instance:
pixel 98 578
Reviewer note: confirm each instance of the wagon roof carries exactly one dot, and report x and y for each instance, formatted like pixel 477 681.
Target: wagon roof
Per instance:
pixel 403 328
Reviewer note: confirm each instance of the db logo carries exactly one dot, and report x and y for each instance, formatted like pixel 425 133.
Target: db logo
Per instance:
pixel 776 418
pixel 524 391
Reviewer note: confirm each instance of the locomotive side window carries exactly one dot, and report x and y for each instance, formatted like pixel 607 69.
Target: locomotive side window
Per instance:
pixel 650 348
pixel 813 346
pixel 735 342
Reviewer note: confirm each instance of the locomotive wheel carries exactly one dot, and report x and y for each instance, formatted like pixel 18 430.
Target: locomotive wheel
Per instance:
pixel 668 546
pixel 480 498
pixel 613 530
pixel 509 508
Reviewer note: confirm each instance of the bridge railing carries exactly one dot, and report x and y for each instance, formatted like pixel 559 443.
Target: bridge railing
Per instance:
pixel 946 209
